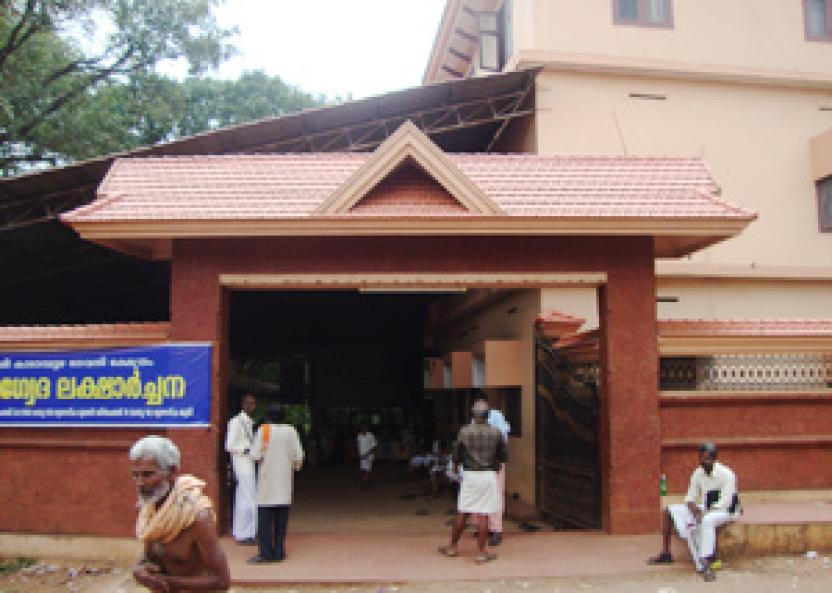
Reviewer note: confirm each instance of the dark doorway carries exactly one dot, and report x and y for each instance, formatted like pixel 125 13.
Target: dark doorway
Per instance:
pixel 347 356
pixel 340 360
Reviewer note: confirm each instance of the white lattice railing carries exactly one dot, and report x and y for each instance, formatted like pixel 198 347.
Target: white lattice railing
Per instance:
pixel 744 372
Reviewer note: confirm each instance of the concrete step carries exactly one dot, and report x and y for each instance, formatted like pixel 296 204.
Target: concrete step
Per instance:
pixel 775 528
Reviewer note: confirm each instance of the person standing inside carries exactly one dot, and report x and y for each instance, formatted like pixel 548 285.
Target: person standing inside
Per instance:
pixel 479 449
pixel 495 520
pixel 711 501
pixel 238 442
pixel 278 450
pixel 176 523
pixel 366 445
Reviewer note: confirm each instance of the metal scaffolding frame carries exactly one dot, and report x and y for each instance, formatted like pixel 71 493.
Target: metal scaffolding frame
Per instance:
pixel 53 276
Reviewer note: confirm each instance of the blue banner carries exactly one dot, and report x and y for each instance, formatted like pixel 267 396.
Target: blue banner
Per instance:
pixel 166 385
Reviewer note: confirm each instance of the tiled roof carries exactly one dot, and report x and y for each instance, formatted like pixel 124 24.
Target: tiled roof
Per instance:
pixel 258 187
pixel 748 328
pixel 98 333
pixel 555 324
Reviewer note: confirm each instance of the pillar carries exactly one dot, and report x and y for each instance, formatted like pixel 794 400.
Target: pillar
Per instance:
pixel 629 422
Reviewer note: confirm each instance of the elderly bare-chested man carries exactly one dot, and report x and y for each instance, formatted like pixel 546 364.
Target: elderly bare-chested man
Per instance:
pixel 176 524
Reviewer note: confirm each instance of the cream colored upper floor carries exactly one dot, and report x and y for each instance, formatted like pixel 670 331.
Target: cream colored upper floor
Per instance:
pixel 739 83
pixel 762 35
pixel 756 140
pixel 766 37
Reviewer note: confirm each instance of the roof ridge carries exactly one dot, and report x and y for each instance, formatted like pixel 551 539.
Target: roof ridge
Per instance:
pixel 234 155
pixel 596 156
pixel 752 320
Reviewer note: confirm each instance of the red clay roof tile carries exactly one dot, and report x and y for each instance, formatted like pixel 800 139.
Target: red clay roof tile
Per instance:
pixel 745 327
pixel 147 331
pixel 257 187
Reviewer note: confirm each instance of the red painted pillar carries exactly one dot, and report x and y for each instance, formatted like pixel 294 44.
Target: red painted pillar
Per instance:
pixel 629 424
pixel 196 305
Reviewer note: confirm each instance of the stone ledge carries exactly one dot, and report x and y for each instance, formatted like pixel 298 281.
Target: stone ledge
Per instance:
pixel 69 546
pixel 745 540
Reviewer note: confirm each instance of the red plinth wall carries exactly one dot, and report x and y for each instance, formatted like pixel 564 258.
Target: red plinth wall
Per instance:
pixel 71 480
pixel 772 441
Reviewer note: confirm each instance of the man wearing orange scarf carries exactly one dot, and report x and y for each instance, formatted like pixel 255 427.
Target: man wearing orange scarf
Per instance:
pixel 176 523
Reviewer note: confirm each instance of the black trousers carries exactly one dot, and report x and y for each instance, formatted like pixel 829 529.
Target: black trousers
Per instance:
pixel 271 530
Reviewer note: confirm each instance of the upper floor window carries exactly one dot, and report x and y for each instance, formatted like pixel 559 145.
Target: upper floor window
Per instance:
pixel 818 15
pixel 494 36
pixel 825 204
pixel 645 13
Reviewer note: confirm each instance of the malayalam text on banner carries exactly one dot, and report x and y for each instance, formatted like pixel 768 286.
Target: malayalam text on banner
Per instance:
pixel 160 385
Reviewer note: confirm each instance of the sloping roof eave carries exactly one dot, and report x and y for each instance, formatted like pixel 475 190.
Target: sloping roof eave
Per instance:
pixel 152 239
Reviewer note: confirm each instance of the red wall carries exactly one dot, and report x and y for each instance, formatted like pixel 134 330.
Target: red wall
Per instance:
pixel 77 481
pixel 631 426
pixel 773 441
pixel 68 480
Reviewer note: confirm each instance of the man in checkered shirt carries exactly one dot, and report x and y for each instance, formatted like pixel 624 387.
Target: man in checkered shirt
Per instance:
pixel 479 449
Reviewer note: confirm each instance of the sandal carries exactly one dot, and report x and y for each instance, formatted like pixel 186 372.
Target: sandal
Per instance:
pixel 663 558
pixel 448 551
pixel 486 557
pixel 709 575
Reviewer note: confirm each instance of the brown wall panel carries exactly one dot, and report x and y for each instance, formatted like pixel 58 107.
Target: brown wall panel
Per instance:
pixel 773 441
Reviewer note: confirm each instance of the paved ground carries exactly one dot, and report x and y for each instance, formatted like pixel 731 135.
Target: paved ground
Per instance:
pixel 772 575
pixel 331 500
pixel 361 558
pixel 340 534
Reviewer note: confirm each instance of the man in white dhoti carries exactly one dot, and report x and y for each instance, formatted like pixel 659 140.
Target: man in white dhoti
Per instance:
pixel 366 445
pixel 238 443
pixel 479 449
pixel 711 501
pixel 495 520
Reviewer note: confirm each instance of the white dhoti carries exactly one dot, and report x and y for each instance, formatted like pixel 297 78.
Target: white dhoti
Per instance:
pixel 479 493
pixel 701 537
pixel 244 524
pixel 365 464
pixel 495 520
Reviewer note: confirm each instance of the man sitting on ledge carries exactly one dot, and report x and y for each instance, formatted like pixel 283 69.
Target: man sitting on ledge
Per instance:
pixel 711 501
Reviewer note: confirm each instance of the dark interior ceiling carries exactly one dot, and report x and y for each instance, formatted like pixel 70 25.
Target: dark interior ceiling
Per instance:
pixel 289 323
pixel 51 276
pixel 361 348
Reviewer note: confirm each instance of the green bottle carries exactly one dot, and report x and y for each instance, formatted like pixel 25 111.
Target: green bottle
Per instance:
pixel 663 485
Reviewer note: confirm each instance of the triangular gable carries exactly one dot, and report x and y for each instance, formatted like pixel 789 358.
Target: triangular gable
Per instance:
pixel 408 191
pixel 408 143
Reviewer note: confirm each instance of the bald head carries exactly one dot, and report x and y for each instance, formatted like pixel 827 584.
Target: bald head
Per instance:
pixel 479 411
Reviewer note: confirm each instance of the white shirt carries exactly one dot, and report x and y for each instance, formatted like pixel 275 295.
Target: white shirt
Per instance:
pixel 366 443
pixel 239 439
pixel 278 463
pixel 240 435
pixel 721 480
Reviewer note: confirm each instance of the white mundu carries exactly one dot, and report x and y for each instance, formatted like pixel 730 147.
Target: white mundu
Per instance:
pixel 716 495
pixel 238 443
pixel 366 443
